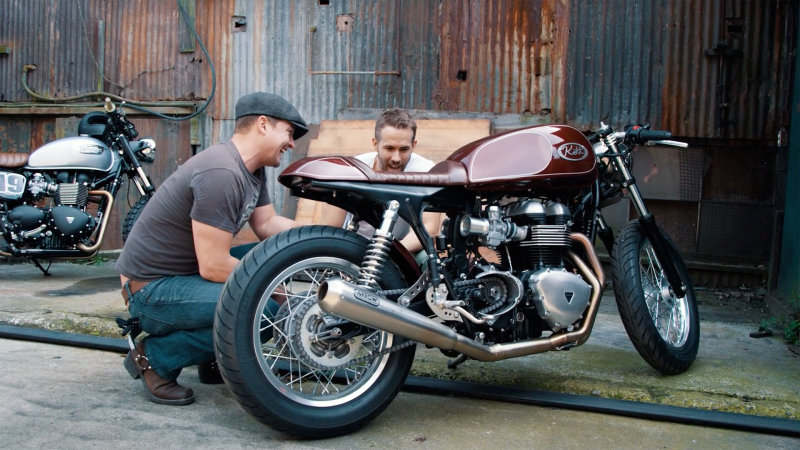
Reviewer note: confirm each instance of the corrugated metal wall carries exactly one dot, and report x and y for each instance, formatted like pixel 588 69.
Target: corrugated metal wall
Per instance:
pixel 140 50
pixel 713 68
pixel 700 68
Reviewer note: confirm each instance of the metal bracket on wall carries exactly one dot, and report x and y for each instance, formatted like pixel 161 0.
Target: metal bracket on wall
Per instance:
pixel 312 30
pixel 185 36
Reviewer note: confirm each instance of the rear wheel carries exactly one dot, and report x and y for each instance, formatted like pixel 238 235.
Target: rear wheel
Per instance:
pixel 664 328
pixel 133 215
pixel 291 365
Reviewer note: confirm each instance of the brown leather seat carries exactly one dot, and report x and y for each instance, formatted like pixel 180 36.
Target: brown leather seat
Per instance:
pixel 445 173
pixel 13 160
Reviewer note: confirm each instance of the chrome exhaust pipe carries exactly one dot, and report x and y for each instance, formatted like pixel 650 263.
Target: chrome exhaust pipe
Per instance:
pixel 363 306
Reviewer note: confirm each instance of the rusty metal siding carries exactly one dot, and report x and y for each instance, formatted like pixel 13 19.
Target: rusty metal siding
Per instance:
pixel 141 54
pixel 143 58
pixel 51 36
pixel 710 68
pixel 614 63
pixel 500 56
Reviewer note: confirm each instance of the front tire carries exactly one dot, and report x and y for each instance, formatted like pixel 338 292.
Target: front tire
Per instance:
pixel 133 216
pixel 304 372
pixel 664 329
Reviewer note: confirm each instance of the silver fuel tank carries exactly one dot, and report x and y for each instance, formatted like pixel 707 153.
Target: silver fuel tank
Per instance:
pixel 72 153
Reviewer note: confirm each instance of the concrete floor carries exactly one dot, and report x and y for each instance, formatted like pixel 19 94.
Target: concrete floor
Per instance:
pixel 64 397
pixel 733 372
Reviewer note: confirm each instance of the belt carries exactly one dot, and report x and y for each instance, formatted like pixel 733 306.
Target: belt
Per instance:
pixel 134 287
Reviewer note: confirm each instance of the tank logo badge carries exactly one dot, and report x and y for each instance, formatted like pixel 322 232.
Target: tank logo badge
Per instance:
pixel 91 149
pixel 573 152
pixel 366 297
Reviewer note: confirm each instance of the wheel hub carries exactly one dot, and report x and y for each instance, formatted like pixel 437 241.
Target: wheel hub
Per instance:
pixel 316 339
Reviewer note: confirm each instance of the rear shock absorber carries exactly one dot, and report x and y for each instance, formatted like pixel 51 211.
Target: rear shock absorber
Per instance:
pixel 378 248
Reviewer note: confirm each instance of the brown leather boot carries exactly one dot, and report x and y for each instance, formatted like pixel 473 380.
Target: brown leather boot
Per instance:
pixel 156 389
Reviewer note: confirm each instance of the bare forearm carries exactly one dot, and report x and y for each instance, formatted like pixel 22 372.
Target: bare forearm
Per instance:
pixel 274 225
pixel 220 272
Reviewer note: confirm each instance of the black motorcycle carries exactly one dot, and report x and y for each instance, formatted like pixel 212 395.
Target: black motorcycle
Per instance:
pixel 56 201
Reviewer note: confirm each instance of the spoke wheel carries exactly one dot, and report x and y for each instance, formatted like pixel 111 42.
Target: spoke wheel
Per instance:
pixel 302 371
pixel 316 357
pixel 669 314
pixel 664 328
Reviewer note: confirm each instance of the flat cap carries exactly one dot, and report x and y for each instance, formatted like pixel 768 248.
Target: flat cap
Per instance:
pixel 264 104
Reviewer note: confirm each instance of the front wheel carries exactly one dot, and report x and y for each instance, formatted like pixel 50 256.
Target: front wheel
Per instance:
pixel 291 365
pixel 133 215
pixel 664 328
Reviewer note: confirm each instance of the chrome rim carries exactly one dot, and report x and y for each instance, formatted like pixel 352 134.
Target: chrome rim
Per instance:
pixel 312 357
pixel 669 313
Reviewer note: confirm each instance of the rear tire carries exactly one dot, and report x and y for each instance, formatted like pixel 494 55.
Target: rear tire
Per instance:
pixel 133 216
pixel 301 371
pixel 664 329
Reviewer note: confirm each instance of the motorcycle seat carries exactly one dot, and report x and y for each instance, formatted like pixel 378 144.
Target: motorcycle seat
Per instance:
pixel 13 160
pixel 445 173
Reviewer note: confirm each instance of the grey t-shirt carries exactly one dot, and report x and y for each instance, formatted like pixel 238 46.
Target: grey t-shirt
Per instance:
pixel 213 187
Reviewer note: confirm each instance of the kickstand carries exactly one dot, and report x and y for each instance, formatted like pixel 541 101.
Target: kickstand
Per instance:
pixel 453 363
pixel 46 271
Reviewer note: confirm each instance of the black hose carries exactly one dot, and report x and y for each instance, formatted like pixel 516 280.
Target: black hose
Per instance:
pixel 650 411
pixel 64 338
pixel 433 386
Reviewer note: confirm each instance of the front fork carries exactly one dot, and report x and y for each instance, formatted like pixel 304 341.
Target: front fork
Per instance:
pixel 648 222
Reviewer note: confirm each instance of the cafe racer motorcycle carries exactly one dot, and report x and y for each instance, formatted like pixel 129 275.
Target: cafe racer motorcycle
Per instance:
pixel 315 330
pixel 56 201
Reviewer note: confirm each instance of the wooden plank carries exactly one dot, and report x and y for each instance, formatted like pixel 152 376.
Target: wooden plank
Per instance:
pixel 436 139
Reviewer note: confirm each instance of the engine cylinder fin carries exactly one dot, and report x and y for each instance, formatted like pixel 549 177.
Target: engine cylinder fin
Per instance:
pixel 72 194
pixel 552 235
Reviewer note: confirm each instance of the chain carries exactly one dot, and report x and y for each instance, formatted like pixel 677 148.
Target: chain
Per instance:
pixel 386 351
pixel 491 307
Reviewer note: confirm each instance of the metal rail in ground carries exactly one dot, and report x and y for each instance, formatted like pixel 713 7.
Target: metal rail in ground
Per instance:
pixel 432 386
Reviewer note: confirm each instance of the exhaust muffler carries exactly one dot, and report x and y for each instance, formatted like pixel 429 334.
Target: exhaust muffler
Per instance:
pixel 363 306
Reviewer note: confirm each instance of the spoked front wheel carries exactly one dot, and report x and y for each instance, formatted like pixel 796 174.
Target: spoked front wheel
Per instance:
pixel 664 328
pixel 294 367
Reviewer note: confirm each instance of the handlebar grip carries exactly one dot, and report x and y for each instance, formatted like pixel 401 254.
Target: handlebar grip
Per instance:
pixel 645 135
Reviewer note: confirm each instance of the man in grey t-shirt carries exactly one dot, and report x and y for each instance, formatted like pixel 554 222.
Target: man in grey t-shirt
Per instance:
pixel 178 254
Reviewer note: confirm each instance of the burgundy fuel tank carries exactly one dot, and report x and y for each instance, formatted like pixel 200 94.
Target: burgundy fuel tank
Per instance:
pixel 557 156
pixel 323 168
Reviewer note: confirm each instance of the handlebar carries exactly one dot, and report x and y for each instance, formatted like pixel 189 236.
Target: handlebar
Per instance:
pixel 669 142
pixel 643 134
pixel 108 105
pixel 635 134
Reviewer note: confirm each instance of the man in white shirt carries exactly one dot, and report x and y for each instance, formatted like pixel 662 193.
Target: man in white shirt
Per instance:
pixel 394 142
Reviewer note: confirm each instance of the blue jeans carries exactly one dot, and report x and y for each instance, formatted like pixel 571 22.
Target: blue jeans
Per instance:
pixel 177 313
